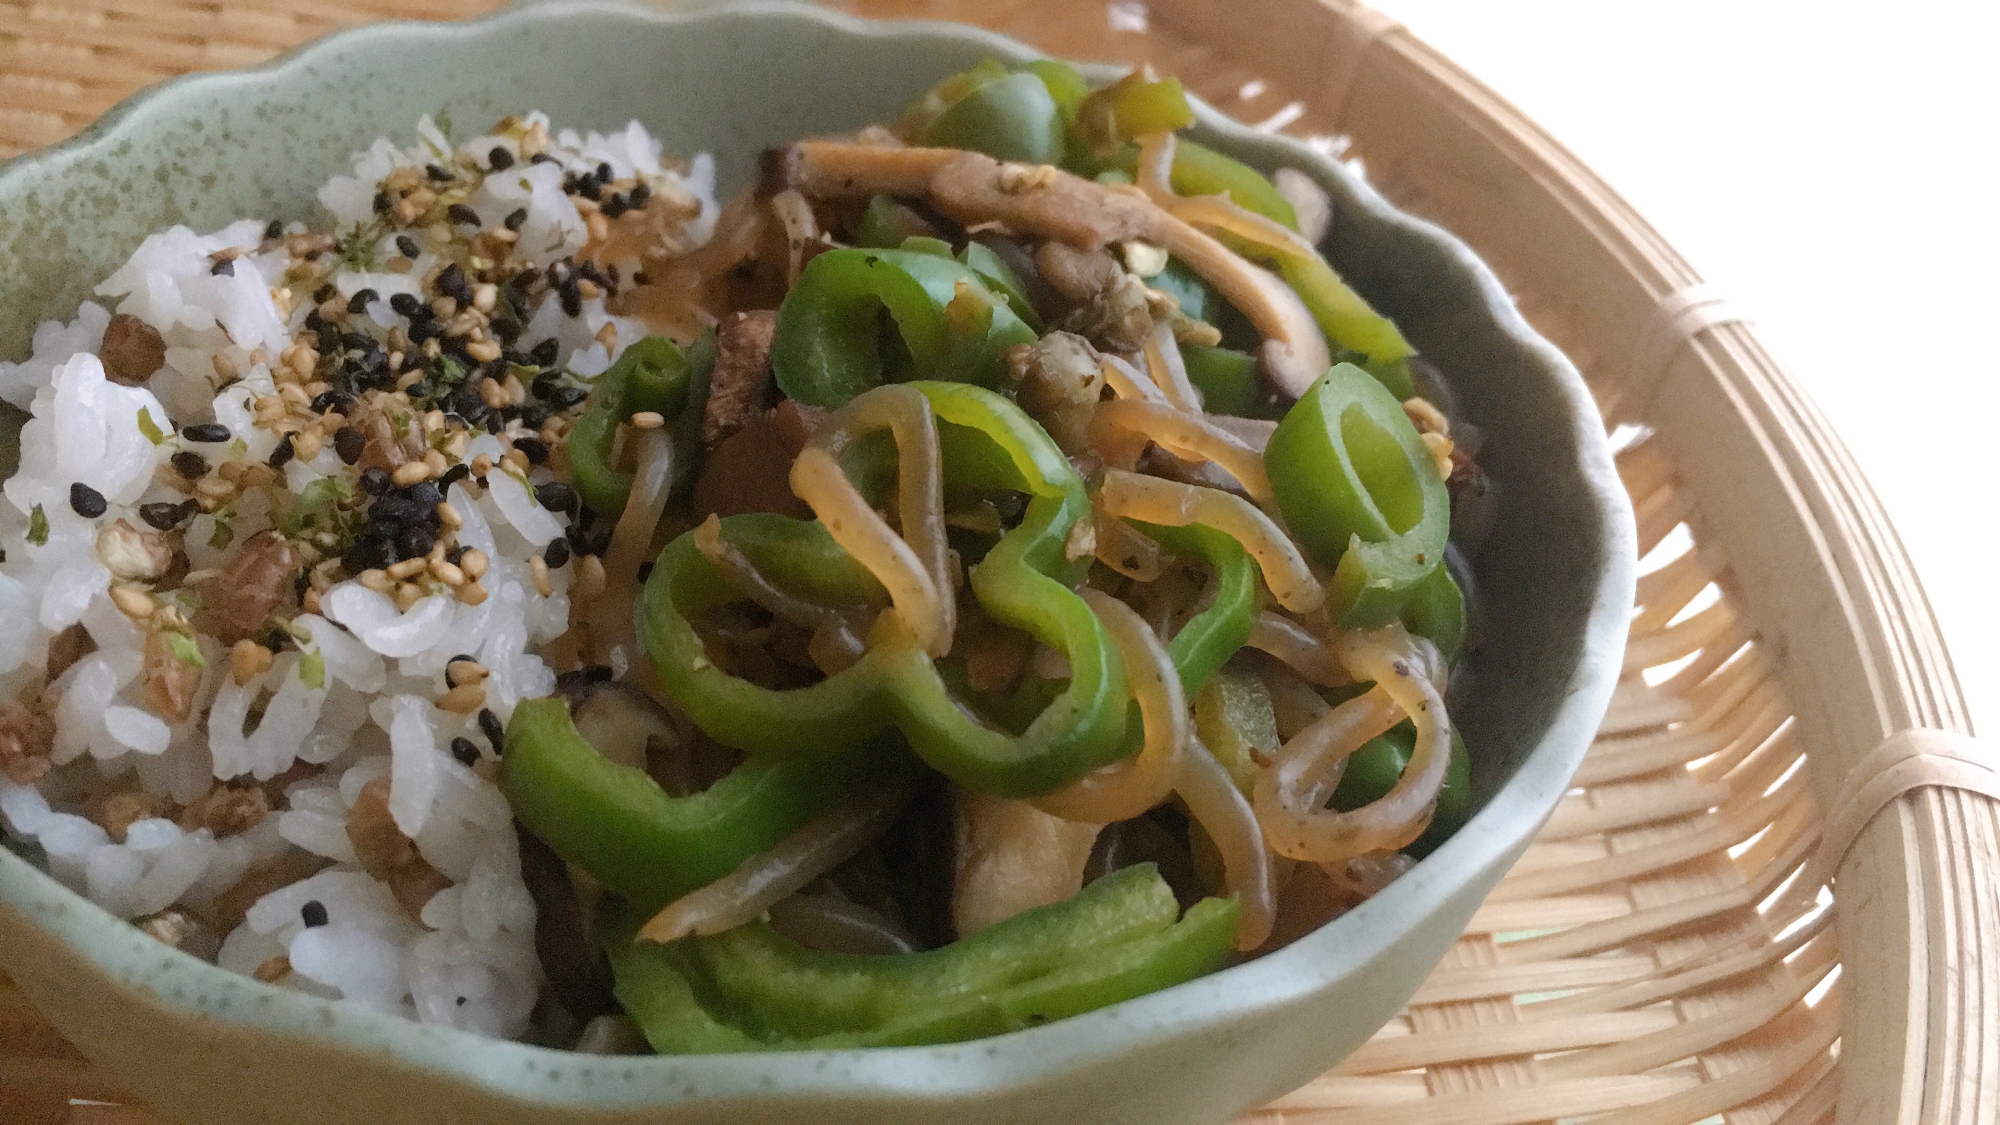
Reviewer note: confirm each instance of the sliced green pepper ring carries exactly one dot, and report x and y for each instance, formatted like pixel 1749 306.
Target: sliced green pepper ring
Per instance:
pixel 949 325
pixel 1360 492
pixel 1215 634
pixel 1024 582
pixel 1010 117
pixel 1375 768
pixel 1200 170
pixel 616 822
pixel 653 374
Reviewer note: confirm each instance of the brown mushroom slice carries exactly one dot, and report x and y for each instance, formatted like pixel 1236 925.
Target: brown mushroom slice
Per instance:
pixel 565 942
pixel 973 188
pixel 1295 353
pixel 630 728
pixel 826 169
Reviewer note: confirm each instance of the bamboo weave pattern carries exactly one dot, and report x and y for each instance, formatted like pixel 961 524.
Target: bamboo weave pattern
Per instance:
pixel 1623 972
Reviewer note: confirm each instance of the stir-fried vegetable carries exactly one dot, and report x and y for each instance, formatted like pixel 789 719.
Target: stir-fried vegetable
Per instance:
pixel 751 990
pixel 1105 547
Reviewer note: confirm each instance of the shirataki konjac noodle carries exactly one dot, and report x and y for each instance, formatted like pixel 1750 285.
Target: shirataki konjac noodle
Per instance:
pixel 990 568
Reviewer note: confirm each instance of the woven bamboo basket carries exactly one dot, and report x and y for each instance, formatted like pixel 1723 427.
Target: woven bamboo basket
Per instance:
pixel 1769 898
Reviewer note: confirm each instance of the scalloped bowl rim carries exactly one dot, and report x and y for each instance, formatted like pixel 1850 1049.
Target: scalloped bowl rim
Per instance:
pixel 1513 813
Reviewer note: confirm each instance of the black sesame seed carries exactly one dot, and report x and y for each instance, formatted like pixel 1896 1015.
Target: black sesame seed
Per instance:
pixel 588 188
pixel 422 329
pixel 395 510
pixel 614 206
pixel 275 639
pixel 500 159
pixel 415 542
pixel 465 750
pixel 556 496
pixel 162 516
pixel 456 555
pixel 313 914
pixel 349 443
pixel 368 552
pixel 383 204
pixel 437 174
pixel 514 219
pixel 533 448
pixel 603 172
pixel 642 194
pixel 556 554
pixel 541 158
pixel 408 246
pixel 189 464
pixel 489 725
pixel 645 570
pixel 544 353
pixel 375 480
pixel 224 268
pixel 207 433
pixel 506 331
pixel 572 302
pixel 451 283
pixel 460 213
pixel 426 495
pixel 273 231
pixel 407 305
pixel 330 400
pixel 283 454
pixel 359 303
pixel 454 474
pixel 641 277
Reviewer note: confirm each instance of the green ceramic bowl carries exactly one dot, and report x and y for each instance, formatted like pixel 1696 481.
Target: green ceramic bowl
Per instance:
pixel 211 1047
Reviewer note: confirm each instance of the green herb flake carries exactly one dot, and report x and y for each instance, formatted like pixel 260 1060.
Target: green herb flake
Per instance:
pixel 316 502
pixel 38 526
pixel 238 448
pixel 224 532
pixel 149 427
pixel 186 650
pixel 312 669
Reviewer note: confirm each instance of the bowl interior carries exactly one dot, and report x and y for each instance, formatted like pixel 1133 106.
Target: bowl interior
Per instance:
pixel 210 150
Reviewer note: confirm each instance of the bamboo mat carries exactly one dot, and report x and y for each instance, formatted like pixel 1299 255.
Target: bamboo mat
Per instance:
pixel 1638 966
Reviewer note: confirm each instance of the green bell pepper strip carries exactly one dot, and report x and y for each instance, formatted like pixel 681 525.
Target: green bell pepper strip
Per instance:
pixel 1011 117
pixel 1210 637
pixel 950 325
pixel 1361 493
pixel 1200 170
pixel 980 259
pixel 1024 582
pixel 1132 107
pixel 616 822
pixel 886 224
pixel 1435 611
pixel 1065 84
pixel 1346 317
pixel 1196 297
pixel 946 94
pixel 1229 382
pixel 1375 768
pixel 751 990
pixel 653 374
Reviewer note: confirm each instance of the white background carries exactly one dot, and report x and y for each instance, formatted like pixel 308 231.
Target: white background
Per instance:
pixel 1831 167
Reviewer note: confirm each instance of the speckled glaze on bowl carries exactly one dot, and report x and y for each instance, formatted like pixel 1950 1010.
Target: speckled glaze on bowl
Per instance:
pixel 210 1047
